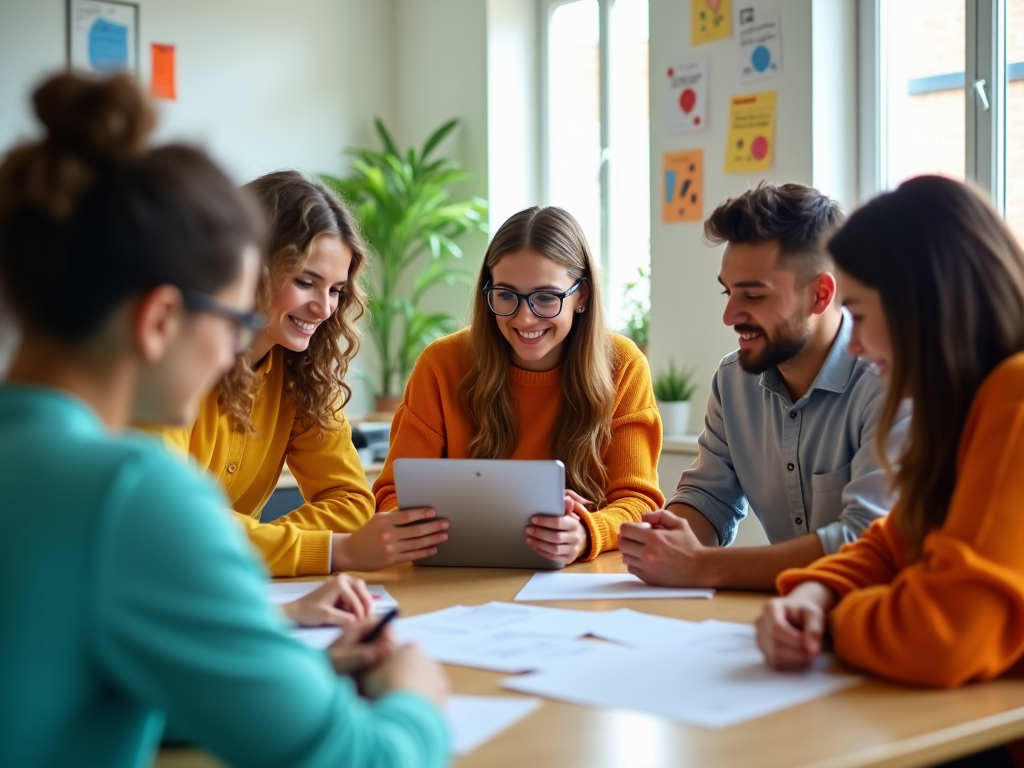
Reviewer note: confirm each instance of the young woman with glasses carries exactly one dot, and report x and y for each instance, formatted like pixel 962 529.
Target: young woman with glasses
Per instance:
pixel 128 595
pixel 282 401
pixel 538 376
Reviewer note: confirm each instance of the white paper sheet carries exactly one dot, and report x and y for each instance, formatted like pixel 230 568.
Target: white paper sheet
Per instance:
pixel 643 630
pixel 473 720
pixel 287 591
pixel 599 586
pixel 720 680
pixel 524 619
pixel 319 638
pixel 499 651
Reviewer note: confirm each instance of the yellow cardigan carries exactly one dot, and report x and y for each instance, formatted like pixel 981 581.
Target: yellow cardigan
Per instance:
pixel 431 423
pixel 325 465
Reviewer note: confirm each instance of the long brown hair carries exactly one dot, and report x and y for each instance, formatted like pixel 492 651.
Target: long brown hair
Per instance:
pixel 583 429
pixel 298 210
pixel 951 280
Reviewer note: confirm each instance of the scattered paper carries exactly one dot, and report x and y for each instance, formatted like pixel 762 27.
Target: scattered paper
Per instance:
pixel 710 20
pixel 760 44
pixel 644 630
pixel 287 591
pixel 688 94
pixel 473 720
pixel 598 586
pixel 751 142
pixel 445 639
pixel 319 638
pixel 684 186
pixel 704 688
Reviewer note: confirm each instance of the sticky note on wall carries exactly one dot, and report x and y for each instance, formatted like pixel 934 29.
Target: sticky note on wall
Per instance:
pixel 682 186
pixel 710 20
pixel 162 84
pixel 751 142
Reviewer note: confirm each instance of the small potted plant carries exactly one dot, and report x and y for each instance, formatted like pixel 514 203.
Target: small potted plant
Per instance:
pixel 405 206
pixel 673 390
pixel 637 309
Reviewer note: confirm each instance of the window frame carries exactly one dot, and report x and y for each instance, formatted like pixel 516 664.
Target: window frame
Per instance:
pixel 985 77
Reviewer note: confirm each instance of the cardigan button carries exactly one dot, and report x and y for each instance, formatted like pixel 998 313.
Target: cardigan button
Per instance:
pixel 799 521
pixel 790 467
pixel 232 468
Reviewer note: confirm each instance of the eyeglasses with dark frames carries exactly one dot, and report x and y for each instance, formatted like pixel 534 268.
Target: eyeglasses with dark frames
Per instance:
pixel 504 302
pixel 248 324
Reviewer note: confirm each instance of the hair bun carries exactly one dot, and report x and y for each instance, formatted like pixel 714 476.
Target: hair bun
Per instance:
pixel 97 118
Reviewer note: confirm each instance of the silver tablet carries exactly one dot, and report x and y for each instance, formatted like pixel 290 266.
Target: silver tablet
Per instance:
pixel 488 504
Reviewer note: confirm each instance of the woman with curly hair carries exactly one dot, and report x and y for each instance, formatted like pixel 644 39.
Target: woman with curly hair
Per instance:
pixel 283 399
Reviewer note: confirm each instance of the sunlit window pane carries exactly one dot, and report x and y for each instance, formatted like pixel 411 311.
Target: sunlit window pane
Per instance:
pixel 924 81
pixel 574 124
pixel 630 178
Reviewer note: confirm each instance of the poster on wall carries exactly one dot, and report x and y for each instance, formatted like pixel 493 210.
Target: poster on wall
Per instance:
pixel 760 44
pixel 162 83
pixel 103 36
pixel 688 94
pixel 751 142
pixel 683 186
pixel 710 20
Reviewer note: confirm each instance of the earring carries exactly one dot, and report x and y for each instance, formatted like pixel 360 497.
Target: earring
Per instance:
pixel 580 310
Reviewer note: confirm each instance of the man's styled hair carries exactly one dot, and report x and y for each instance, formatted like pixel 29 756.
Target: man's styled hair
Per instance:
pixel 799 218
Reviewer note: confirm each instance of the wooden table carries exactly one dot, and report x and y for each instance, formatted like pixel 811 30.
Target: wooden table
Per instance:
pixel 874 724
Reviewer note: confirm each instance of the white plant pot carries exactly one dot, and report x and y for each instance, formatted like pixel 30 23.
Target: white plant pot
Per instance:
pixel 675 418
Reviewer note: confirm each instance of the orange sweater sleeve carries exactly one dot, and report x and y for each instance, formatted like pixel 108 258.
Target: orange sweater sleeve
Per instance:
pixel 632 456
pixel 417 431
pixel 957 614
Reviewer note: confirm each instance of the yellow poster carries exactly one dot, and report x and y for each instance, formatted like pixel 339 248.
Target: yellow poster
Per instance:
pixel 751 142
pixel 710 20
pixel 683 189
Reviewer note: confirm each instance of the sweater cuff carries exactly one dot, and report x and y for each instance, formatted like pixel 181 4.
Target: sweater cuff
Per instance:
pixel 600 534
pixel 792 578
pixel 314 553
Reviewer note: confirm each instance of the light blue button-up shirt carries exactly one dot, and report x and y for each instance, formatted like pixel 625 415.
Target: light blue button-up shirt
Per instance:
pixel 803 466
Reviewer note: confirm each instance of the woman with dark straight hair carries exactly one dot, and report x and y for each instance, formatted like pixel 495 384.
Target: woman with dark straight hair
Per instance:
pixel 128 596
pixel 932 594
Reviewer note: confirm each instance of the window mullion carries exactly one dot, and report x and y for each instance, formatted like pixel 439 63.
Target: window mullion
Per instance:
pixel 985 93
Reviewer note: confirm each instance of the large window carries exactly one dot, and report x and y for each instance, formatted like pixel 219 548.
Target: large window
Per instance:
pixel 597 159
pixel 951 94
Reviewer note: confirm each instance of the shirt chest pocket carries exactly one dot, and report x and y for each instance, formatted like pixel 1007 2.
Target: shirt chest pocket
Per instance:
pixel 827 496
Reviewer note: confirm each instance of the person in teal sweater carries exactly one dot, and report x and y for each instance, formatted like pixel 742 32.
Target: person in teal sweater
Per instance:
pixel 128 594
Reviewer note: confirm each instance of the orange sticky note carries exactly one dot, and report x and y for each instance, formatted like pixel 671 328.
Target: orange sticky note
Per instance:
pixel 682 186
pixel 162 84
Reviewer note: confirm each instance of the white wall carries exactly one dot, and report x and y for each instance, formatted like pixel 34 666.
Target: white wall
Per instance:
pixel 261 84
pixel 686 305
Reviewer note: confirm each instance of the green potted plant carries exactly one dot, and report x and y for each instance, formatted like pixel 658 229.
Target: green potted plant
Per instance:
pixel 404 205
pixel 673 389
pixel 637 309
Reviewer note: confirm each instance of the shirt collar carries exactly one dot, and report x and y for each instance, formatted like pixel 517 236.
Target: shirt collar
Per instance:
pixel 266 363
pixel 835 372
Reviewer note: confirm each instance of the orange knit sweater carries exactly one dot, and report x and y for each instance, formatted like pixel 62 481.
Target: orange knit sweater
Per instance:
pixel 957 614
pixel 431 423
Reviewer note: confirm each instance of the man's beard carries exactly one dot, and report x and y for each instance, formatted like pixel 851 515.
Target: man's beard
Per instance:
pixel 785 343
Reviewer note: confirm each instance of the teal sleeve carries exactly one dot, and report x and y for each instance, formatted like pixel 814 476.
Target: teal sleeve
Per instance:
pixel 182 623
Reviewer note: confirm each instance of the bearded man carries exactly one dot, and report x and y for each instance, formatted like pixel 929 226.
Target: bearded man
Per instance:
pixel 790 424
